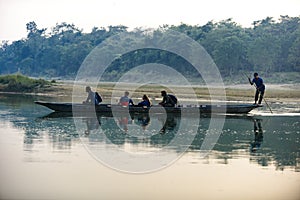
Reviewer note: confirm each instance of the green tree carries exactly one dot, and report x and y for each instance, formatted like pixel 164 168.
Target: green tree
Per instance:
pixel 293 57
pixel 269 46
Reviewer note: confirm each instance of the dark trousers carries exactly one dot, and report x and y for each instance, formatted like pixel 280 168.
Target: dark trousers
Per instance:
pixel 262 92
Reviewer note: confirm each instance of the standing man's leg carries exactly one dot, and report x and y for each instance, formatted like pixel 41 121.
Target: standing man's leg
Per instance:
pixel 256 96
pixel 261 96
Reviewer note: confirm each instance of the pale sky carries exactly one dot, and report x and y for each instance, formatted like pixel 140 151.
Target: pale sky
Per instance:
pixel 85 14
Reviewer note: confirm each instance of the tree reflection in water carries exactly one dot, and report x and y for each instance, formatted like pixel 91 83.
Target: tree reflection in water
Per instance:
pixel 273 141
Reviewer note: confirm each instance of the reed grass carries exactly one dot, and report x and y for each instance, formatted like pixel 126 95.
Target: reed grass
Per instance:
pixel 21 83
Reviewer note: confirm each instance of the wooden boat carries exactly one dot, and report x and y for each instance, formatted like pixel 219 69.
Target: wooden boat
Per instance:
pixel 207 109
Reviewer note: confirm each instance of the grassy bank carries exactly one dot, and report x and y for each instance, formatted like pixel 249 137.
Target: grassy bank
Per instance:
pixel 63 90
pixel 24 84
pixel 243 92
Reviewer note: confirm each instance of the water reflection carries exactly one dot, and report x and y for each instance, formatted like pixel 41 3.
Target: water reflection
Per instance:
pixel 131 128
pixel 263 140
pixel 59 134
pixel 242 136
pixel 258 135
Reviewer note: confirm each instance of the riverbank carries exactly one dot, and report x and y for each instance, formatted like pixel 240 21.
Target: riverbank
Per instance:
pixel 19 83
pixel 275 93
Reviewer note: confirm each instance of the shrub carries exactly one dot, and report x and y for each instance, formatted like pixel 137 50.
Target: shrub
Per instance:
pixel 20 83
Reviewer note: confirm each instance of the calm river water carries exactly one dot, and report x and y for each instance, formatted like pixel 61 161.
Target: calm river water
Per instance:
pixel 45 156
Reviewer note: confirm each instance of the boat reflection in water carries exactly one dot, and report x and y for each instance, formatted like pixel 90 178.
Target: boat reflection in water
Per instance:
pixel 265 140
pixel 45 157
pixel 134 129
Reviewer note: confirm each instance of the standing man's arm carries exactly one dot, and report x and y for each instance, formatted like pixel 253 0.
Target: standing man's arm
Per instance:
pixel 251 82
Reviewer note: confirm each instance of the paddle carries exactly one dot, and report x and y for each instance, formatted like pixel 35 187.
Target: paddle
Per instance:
pixel 263 97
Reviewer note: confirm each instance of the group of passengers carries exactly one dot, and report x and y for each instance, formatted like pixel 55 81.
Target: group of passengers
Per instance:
pixel 167 101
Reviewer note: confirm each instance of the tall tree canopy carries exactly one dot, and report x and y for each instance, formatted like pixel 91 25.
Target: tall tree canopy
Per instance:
pixel 268 46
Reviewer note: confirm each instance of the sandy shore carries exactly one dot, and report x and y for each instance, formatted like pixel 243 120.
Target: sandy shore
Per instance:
pixel 275 93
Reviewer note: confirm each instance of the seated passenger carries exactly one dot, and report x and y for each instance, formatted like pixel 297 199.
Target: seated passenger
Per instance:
pixel 125 100
pixel 168 100
pixel 93 97
pixel 145 102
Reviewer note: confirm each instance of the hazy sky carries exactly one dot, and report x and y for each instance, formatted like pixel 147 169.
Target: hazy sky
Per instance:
pixel 14 14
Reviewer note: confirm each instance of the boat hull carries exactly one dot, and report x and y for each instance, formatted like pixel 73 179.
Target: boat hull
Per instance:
pixel 103 108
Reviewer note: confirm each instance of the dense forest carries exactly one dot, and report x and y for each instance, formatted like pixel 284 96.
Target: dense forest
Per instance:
pixel 269 47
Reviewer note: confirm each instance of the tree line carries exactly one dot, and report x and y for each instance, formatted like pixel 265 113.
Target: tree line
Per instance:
pixel 269 46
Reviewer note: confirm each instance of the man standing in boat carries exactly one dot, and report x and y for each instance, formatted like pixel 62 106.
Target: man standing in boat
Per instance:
pixel 93 97
pixel 260 87
pixel 125 100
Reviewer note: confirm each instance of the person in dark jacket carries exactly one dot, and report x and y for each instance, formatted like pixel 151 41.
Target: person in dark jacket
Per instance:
pixel 167 100
pixel 145 102
pixel 260 88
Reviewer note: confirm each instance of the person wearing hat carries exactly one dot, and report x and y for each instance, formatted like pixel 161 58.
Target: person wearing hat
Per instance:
pixel 260 88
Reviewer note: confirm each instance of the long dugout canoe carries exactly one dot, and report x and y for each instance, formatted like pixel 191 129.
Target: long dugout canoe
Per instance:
pixel 77 107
